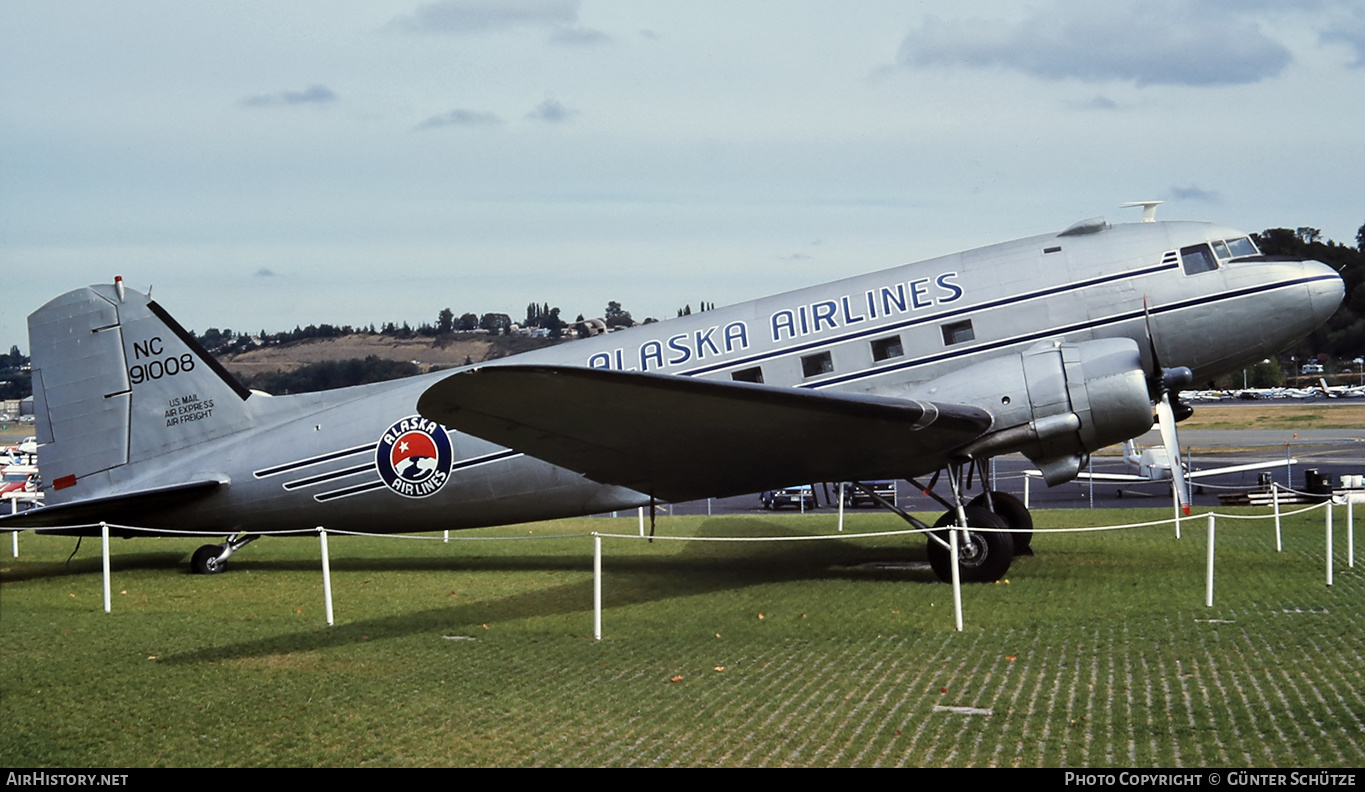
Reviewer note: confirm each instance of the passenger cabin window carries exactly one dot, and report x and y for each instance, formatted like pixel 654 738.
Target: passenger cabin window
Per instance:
pixel 886 348
pixel 754 374
pixel 1197 258
pixel 958 332
pixel 815 365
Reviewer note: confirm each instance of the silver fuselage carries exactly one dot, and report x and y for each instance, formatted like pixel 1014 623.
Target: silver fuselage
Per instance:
pixel 296 462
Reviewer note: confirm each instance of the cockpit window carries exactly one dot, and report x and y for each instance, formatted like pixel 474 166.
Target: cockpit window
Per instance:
pixel 1197 258
pixel 1220 249
pixel 1242 247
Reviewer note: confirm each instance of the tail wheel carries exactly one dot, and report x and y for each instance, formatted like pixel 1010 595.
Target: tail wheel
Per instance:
pixel 984 556
pixel 1016 515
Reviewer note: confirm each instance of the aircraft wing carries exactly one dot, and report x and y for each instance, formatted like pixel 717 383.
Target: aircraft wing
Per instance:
pixel 1083 476
pixel 1220 471
pixel 679 438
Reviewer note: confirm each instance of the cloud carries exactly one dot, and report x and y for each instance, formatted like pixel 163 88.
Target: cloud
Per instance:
pixel 551 111
pixel 460 118
pixel 1195 194
pixel 1351 33
pixel 314 94
pixel 1162 42
pixel 482 16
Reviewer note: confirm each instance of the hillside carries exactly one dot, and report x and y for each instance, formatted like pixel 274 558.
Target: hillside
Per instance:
pixel 426 353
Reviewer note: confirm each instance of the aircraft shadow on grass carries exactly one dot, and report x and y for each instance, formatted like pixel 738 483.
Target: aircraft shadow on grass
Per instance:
pixel 631 578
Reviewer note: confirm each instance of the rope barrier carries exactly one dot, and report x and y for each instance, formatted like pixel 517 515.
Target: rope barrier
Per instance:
pixel 598 536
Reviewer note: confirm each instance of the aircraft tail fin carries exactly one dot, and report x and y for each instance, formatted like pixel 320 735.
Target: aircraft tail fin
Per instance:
pixel 116 381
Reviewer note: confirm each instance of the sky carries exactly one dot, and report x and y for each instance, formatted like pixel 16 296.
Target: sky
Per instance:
pixel 261 165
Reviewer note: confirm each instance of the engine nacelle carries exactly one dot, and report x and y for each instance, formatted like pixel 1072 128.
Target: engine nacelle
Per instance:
pixel 1055 402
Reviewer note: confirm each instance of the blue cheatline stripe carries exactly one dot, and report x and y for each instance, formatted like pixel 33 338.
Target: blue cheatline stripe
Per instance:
pixel 317 460
pixel 356 489
pixel 1053 332
pixel 325 477
pixel 887 329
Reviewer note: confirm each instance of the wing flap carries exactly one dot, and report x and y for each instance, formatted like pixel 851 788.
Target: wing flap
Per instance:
pixel 679 438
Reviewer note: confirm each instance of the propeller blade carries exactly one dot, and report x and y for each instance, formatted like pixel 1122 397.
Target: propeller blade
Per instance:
pixel 1169 438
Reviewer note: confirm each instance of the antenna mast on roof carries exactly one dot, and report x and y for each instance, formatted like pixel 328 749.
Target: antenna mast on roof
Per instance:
pixel 1148 209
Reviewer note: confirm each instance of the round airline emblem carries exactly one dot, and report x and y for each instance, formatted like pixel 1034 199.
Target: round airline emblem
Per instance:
pixel 414 457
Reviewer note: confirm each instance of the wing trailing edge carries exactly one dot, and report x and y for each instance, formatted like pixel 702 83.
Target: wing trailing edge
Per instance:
pixel 678 438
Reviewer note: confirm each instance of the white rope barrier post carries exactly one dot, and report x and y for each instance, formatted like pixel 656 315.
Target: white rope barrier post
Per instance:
pixel 14 537
pixel 596 587
pixel 1329 542
pixel 326 575
pixel 104 538
pixel 1208 572
pixel 641 512
pixel 841 505
pixel 1027 479
pixel 1275 498
pixel 1350 532
pixel 957 579
pixel 1175 498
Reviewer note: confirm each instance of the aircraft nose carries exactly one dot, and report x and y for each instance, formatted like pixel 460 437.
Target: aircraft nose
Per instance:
pixel 1326 289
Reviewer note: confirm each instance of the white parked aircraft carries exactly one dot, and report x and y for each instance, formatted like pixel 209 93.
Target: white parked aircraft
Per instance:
pixel 1154 464
pixel 1053 346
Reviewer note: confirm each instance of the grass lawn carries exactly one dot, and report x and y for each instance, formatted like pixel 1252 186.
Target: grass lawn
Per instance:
pixel 1099 651
pixel 1282 414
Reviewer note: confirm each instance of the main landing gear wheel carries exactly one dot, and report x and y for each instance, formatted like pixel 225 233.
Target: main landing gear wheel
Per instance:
pixel 1016 515
pixel 984 556
pixel 205 560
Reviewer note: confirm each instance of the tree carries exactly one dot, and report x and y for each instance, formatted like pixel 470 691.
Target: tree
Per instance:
pixel 553 323
pixel 1266 374
pixel 445 321
pixel 615 317
pixel 496 323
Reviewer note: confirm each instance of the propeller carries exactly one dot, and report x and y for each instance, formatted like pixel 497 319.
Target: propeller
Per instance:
pixel 1161 382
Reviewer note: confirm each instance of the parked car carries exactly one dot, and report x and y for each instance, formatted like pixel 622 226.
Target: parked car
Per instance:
pixel 802 497
pixel 855 497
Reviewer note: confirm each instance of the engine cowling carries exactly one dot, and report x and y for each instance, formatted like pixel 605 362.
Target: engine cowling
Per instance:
pixel 1055 402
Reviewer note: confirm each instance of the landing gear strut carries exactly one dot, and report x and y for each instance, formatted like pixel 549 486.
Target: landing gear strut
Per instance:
pixel 983 556
pixel 211 559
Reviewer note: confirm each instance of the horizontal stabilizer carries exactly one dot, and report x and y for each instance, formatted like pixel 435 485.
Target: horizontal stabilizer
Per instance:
pixel 679 438
pixel 121 509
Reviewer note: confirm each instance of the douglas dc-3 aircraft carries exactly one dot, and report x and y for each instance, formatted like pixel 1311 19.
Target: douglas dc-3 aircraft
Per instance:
pixel 1053 346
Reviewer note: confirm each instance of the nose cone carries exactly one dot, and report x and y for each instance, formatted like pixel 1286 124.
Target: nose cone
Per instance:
pixel 1326 290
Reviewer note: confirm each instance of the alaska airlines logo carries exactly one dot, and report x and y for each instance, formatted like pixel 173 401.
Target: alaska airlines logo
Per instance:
pixel 414 457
